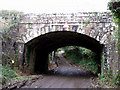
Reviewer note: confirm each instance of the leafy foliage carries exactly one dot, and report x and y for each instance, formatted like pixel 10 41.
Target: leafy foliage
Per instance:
pixel 8 74
pixel 11 19
pixel 82 56
pixel 114 6
pixel 108 79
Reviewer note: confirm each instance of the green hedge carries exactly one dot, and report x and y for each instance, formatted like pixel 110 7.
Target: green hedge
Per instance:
pixel 83 57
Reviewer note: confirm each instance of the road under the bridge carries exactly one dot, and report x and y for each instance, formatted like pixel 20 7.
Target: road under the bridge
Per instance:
pixel 66 75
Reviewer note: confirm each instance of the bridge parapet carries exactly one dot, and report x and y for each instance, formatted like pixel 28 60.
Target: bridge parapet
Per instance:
pixel 68 17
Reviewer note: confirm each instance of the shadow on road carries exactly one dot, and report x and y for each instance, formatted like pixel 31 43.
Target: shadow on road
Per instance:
pixel 72 73
pixel 65 68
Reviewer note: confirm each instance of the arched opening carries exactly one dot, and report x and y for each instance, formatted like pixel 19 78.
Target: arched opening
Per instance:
pixel 38 49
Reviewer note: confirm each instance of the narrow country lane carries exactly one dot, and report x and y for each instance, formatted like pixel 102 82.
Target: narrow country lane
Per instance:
pixel 65 76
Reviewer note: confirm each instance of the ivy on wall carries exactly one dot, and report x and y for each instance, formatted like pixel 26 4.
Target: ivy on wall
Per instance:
pixel 8 34
pixel 114 6
pixel 11 18
pixel 108 78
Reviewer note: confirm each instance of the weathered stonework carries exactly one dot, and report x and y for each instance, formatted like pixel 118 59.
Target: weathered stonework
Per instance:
pixel 96 25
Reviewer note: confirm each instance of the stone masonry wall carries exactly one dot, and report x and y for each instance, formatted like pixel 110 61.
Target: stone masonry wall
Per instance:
pixel 96 25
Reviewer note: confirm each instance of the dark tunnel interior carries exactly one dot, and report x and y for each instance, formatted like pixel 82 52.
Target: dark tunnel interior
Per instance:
pixel 42 45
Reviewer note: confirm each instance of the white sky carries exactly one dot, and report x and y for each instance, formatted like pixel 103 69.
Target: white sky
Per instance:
pixel 52 6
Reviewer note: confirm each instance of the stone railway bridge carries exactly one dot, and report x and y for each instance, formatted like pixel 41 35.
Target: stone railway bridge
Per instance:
pixel 41 34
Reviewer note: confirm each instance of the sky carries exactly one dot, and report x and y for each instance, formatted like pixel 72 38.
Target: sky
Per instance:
pixel 54 6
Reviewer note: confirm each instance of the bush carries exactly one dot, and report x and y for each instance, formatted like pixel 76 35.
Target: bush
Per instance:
pixel 8 74
pixel 82 56
pixel 108 79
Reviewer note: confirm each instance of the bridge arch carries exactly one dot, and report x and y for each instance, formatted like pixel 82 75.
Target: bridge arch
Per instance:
pixel 37 50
